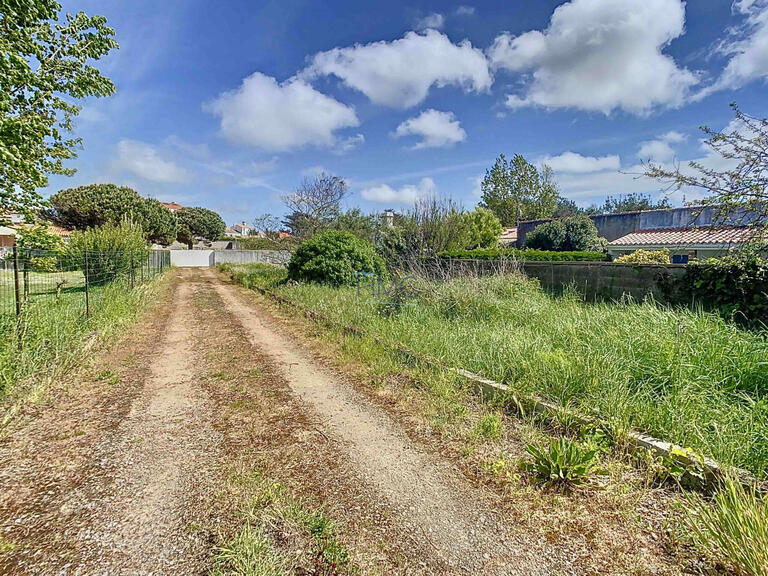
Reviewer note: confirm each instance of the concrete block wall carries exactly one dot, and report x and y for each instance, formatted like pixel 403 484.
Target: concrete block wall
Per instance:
pixel 606 280
pixel 252 256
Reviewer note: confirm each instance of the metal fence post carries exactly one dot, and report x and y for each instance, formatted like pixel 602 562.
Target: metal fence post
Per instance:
pixel 16 280
pixel 87 299
pixel 25 277
pixel 17 292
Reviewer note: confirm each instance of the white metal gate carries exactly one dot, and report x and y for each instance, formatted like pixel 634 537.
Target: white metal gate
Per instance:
pixel 192 258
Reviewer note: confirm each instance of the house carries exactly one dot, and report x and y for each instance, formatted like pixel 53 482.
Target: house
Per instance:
pixel 687 244
pixel 7 239
pixel 241 229
pixel 689 232
pixel 172 206
pixel 508 237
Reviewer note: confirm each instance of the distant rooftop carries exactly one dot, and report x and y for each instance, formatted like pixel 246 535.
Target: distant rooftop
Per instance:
pixel 707 236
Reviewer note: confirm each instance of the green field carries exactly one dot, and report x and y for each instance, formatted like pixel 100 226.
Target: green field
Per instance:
pixel 39 284
pixel 53 326
pixel 684 376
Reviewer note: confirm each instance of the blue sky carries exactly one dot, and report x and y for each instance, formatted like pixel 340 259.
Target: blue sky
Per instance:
pixel 227 105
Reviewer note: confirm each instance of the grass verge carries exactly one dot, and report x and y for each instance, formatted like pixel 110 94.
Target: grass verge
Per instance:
pixel 684 376
pixel 57 336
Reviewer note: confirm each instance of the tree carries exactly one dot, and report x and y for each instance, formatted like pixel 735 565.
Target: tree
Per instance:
pixel 98 204
pixel 268 225
pixel 301 225
pixel 632 203
pixel 365 226
pixel 565 208
pixel 160 225
pixel 517 191
pixel 199 223
pixel 317 199
pixel 742 188
pixel 45 67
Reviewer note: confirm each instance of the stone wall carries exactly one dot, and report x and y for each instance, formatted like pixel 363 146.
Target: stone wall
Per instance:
pixel 252 256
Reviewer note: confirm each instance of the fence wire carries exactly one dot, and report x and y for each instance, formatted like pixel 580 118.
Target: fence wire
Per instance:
pixel 43 278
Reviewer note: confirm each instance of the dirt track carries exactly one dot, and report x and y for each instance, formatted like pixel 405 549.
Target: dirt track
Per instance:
pixel 109 477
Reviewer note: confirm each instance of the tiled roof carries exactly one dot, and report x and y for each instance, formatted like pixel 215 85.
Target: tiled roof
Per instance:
pixel 720 236
pixel 172 206
pixel 508 234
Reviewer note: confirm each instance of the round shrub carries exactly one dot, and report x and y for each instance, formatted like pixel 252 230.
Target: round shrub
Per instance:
pixel 572 234
pixel 336 258
pixel 580 233
pixel 547 236
pixel 645 257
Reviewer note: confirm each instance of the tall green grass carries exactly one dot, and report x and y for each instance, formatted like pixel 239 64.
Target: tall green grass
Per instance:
pixel 732 528
pixel 55 331
pixel 688 377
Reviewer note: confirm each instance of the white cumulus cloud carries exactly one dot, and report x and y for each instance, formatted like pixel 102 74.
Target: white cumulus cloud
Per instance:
pixel 465 10
pixel 600 55
pixel 660 149
pixel 574 163
pixel 280 116
pixel 406 195
pixel 400 73
pixel 436 129
pixel 434 20
pixel 747 47
pixel 144 161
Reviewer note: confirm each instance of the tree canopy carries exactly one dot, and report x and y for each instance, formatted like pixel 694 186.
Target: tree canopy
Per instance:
pixel 314 204
pixel 517 190
pixel 632 203
pixel 197 223
pixel 98 204
pixel 44 68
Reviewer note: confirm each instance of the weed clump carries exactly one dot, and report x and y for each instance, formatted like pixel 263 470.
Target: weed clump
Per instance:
pixel 564 465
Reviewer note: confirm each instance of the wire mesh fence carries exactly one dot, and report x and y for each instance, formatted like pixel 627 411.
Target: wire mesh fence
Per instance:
pixel 39 278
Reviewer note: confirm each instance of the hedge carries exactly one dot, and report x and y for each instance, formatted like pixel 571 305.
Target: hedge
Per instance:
pixel 530 255
pixel 737 288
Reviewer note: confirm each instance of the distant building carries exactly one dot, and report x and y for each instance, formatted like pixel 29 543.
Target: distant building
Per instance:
pixel 241 229
pixel 7 238
pixel 689 233
pixel 508 236
pixel 685 245
pixel 172 206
